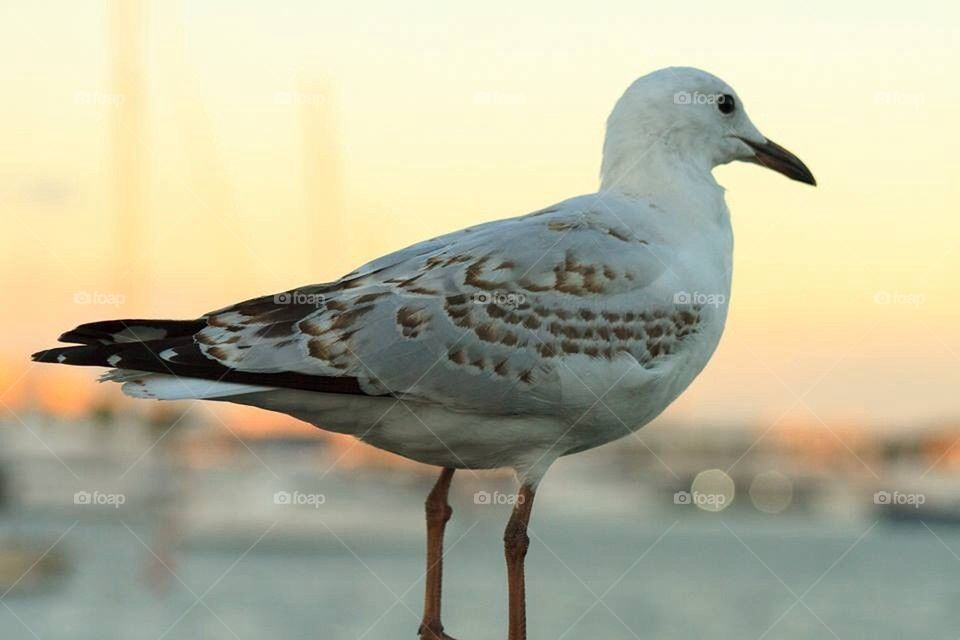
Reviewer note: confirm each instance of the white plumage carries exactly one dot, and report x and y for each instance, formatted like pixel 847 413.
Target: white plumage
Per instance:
pixel 506 344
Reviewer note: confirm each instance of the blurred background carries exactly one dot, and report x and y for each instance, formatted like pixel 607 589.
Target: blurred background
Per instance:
pixel 163 159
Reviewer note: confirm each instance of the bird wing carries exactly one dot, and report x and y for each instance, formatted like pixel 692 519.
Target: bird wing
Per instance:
pixel 495 318
pixel 480 319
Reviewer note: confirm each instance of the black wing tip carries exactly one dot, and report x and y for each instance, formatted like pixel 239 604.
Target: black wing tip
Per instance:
pixel 52 355
pixel 73 337
pixel 190 362
pixel 89 356
pixel 137 356
pixel 104 332
pixel 91 333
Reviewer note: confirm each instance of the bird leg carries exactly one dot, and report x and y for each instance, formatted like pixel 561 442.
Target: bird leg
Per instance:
pixel 515 543
pixel 438 512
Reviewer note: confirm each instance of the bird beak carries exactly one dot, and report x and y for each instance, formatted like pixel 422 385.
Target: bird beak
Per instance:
pixel 772 156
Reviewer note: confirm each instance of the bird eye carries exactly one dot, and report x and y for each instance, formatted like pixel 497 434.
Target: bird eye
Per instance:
pixel 726 104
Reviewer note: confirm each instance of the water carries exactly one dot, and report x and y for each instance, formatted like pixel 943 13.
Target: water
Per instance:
pixel 611 556
pixel 593 572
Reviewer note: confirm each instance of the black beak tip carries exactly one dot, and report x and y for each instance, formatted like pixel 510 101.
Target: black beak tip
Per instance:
pixel 807 178
pixel 771 155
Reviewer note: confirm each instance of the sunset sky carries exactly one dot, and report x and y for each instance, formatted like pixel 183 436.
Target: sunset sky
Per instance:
pixel 286 143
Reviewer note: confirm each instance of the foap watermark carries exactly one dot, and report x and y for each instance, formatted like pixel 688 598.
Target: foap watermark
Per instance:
pixel 696 97
pixel 896 498
pixel 899 298
pixel 486 497
pixel 298 499
pixel 709 501
pixel 300 298
pixel 98 298
pixel 97 498
pixel 702 299
pixel 499 298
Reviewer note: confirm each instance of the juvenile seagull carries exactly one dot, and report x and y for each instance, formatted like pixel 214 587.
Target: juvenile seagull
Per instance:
pixel 507 344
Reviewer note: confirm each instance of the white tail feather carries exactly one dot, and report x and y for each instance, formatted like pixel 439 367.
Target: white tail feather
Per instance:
pixel 156 386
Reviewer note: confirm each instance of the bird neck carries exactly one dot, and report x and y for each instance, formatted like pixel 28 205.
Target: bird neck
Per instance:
pixel 642 162
pixel 658 173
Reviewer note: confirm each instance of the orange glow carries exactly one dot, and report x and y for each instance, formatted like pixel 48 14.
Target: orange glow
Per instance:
pixel 254 150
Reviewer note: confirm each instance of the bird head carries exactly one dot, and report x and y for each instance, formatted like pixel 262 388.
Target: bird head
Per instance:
pixel 691 121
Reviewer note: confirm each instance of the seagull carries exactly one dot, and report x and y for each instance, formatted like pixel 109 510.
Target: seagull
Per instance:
pixel 504 345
